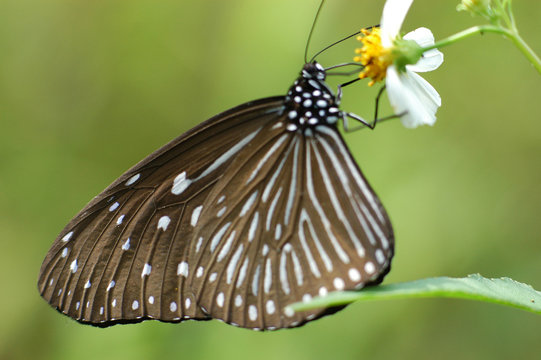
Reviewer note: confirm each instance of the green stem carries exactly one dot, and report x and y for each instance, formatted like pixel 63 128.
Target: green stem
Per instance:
pixel 513 36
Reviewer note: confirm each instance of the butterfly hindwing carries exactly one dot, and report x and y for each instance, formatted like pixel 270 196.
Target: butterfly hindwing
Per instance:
pixel 301 222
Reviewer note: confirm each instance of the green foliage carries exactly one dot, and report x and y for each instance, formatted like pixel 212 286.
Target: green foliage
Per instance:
pixel 87 88
pixel 503 291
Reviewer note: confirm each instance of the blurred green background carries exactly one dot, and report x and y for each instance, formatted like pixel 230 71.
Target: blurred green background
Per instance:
pixel 88 88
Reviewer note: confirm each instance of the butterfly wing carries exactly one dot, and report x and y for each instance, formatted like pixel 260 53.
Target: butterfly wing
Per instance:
pixel 292 218
pixel 138 230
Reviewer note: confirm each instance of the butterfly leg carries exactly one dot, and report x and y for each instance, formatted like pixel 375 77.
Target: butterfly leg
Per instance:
pixel 394 116
pixel 364 123
pixel 339 91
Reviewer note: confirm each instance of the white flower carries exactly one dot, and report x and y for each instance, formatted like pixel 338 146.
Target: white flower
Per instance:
pixel 409 94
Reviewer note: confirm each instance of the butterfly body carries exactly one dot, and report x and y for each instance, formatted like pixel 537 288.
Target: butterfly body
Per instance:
pixel 255 209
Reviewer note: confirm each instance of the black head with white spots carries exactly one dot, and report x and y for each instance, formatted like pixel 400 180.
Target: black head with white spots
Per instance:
pixel 310 102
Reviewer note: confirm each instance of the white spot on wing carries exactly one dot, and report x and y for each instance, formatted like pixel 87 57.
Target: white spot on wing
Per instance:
pixel 293 185
pixel 195 215
pixel 73 266
pixel 227 246
pixel 173 306
pixel 380 257
pixel 238 301
pixel 354 274
pixel 242 272
pixel 265 250
pixel 120 219
pixel 198 245
pixel 253 227
pixel 111 285
pixel 339 283
pixel 233 264
pixel 146 270
pixel 114 206
pixel 133 179
pixel 252 312
pixel 218 236
pixel 65 252
pixel 248 204
pixel 221 211
pixel 126 245
pixel 151 299
pixel 288 311
pixel 278 232
pixel 272 207
pixel 182 269
pixel 135 305
pixel 180 183
pixel 87 284
pixel 220 299
pixel 67 236
pixel 271 308
pixel 200 271
pixel 283 274
pixel 268 276
pixel 307 252
pixel 255 281
pixel 369 267
pixel 163 223
pixel 297 268
pixel 187 303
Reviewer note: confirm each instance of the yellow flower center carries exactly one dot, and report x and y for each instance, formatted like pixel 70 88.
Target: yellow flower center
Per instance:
pixel 375 58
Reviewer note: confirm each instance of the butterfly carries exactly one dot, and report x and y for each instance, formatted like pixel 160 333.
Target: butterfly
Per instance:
pixel 255 209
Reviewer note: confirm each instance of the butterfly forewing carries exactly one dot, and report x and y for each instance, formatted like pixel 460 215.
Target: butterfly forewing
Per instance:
pixel 118 259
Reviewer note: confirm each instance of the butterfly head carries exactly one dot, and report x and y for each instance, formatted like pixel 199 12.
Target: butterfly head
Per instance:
pixel 310 102
pixel 314 71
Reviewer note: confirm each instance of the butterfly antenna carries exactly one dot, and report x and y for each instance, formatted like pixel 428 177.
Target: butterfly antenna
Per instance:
pixel 338 42
pixel 334 43
pixel 312 31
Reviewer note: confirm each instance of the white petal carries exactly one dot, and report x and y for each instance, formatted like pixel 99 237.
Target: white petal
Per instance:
pixel 432 59
pixel 421 36
pixel 410 93
pixel 394 12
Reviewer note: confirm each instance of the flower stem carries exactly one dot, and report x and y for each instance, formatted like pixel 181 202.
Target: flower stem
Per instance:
pixel 513 36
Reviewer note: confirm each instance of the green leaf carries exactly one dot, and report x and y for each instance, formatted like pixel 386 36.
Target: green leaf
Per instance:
pixel 503 291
